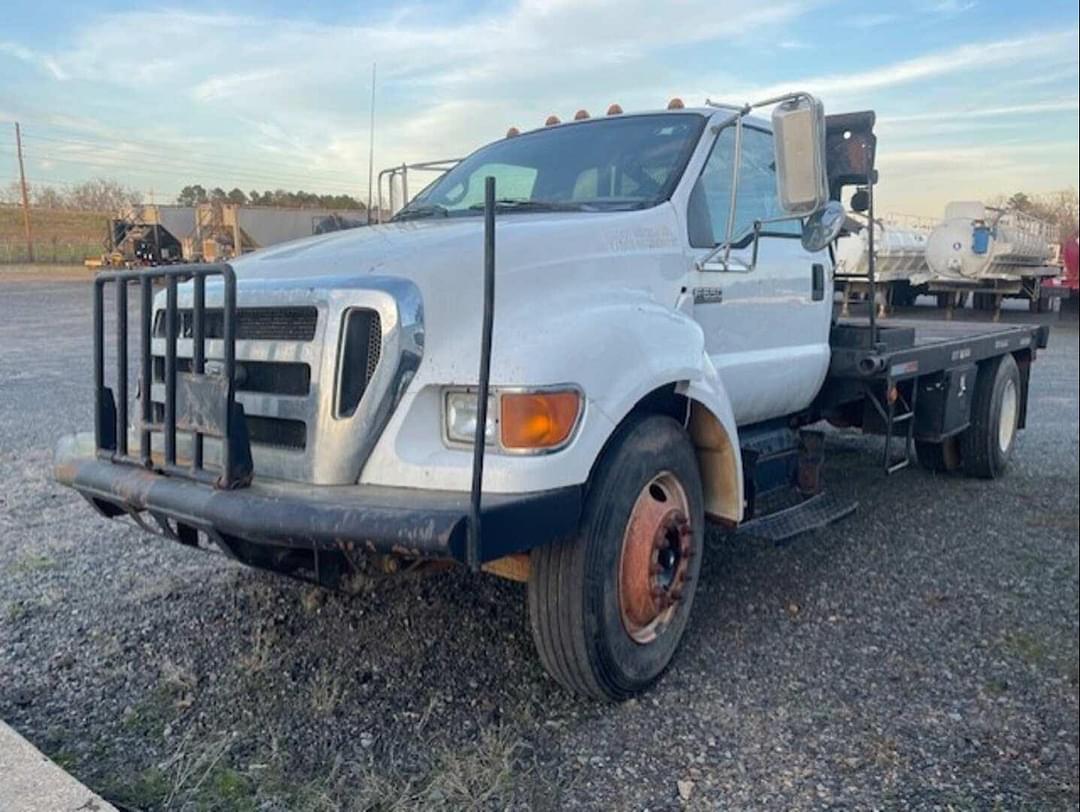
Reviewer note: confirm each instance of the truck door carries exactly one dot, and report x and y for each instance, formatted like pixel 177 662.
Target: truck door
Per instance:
pixel 766 329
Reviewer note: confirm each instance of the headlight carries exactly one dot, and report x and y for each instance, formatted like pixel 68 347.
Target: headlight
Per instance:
pixel 518 421
pixel 461 418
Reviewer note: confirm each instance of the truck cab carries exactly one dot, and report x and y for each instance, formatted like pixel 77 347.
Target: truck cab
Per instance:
pixel 647 298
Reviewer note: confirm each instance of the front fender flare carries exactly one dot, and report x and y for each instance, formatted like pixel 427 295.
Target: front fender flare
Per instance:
pixel 716 437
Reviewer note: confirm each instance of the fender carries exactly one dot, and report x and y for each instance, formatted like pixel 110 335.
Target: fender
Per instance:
pixel 618 350
pixel 716 438
pixel 647 346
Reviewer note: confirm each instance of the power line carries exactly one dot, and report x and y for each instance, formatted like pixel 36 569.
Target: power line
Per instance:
pixel 68 184
pixel 165 169
pixel 108 141
pixel 155 148
pixel 277 171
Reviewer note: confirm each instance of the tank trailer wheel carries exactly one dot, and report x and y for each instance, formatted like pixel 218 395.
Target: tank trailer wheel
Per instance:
pixel 608 607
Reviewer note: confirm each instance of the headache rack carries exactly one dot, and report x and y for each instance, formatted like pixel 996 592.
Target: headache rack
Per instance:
pixel 199 401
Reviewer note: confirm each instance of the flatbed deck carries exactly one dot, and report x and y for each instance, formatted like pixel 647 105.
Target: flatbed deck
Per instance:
pixel 909 348
pixel 876 376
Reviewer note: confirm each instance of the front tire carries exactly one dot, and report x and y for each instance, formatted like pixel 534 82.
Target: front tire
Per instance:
pixel 987 444
pixel 609 607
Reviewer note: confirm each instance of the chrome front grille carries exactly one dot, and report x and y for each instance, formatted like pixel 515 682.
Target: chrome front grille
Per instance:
pixel 292 366
pixel 271 377
pixel 252 323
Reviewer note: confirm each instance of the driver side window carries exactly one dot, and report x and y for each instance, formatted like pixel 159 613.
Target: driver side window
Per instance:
pixel 756 197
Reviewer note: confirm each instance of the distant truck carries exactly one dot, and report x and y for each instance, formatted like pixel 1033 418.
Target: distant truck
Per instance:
pixel 1068 284
pixel 556 364
pixel 164 234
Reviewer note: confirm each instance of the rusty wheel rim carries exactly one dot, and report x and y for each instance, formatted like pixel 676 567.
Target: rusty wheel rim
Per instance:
pixel 655 560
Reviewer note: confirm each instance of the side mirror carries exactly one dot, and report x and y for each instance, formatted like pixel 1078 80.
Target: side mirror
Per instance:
pixel 799 133
pixel 823 226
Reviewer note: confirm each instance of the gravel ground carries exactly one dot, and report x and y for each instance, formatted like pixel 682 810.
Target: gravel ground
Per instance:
pixel 921 654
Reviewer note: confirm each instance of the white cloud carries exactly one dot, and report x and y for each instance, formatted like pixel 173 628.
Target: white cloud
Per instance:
pixel 1002 154
pixel 442 86
pixel 40 61
pixel 922 181
pixel 870 20
pixel 550 36
pixel 1053 106
pixel 292 94
pixel 223 87
pixel 950 7
pixel 973 56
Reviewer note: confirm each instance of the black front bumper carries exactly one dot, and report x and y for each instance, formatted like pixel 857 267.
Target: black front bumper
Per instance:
pixel 408 522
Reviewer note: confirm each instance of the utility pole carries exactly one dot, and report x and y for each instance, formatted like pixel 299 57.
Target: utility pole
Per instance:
pixel 371 147
pixel 157 231
pixel 25 196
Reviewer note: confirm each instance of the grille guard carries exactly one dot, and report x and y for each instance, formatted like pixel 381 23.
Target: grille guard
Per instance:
pixel 199 402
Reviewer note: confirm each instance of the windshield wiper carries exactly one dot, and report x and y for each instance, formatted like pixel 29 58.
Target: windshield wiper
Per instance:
pixel 512 204
pixel 428 210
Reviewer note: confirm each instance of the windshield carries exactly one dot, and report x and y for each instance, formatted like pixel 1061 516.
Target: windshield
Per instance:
pixel 604 164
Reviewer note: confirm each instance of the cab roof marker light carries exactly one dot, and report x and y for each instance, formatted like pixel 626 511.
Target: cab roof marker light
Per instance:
pixel 581 114
pixel 552 120
pixel 513 132
pixel 614 110
pixel 676 104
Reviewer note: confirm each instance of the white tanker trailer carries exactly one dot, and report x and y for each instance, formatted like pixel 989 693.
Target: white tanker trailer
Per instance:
pixel 899 251
pixel 990 252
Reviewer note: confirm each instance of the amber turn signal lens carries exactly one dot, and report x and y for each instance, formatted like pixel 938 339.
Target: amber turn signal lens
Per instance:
pixel 537 419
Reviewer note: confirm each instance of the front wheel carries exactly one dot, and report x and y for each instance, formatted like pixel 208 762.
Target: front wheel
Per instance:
pixel 609 607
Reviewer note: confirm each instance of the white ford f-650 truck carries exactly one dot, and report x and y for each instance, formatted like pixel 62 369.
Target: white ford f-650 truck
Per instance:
pixel 556 364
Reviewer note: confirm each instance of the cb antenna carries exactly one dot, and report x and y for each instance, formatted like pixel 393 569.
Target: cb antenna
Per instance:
pixel 371 146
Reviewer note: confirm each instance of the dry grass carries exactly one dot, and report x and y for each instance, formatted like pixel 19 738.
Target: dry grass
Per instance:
pixel 462 777
pixel 264 649
pixel 58 236
pixel 327 689
pixel 54 224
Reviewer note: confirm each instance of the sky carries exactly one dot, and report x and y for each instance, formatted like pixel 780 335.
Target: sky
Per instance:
pixel 974 98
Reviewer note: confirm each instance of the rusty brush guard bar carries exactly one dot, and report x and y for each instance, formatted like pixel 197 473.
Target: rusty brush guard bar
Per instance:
pixel 199 403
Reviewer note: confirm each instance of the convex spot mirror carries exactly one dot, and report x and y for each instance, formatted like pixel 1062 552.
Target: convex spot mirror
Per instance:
pixel 799 137
pixel 823 226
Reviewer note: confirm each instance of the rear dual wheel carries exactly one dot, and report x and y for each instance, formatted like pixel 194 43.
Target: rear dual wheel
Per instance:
pixel 985 446
pixel 609 607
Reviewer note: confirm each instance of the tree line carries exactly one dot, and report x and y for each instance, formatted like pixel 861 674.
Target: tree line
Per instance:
pixel 105 195
pixel 194 194
pixel 1057 208
pixel 97 194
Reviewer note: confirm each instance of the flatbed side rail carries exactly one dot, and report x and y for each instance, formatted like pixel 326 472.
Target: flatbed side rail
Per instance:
pixel 200 402
pixel 904 360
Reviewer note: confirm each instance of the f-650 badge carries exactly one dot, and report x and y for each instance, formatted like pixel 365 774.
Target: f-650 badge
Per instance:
pixel 708 295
